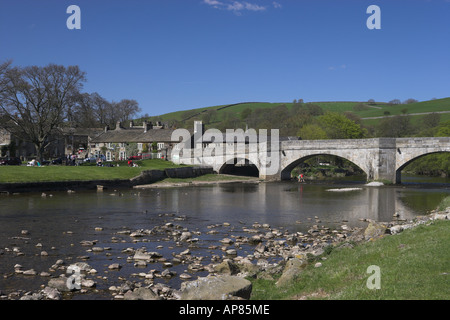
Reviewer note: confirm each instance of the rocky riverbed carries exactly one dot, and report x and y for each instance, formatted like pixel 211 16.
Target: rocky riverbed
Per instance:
pixel 257 250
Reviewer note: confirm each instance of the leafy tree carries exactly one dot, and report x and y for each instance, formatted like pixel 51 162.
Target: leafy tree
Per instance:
pixel 431 120
pixel 312 132
pixel 338 126
pixel 443 130
pixel 395 127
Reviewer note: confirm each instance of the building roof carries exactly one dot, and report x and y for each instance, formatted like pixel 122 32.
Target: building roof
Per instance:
pixel 90 132
pixel 138 135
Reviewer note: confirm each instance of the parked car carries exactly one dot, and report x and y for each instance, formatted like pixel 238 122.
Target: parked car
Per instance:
pixel 11 162
pixel 90 159
pixel 135 158
pixel 57 161
pixel 94 158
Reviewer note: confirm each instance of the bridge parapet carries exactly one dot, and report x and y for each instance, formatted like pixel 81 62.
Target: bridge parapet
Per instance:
pixel 379 158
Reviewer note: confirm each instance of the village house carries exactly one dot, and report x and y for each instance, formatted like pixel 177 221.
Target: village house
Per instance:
pixel 149 140
pixel 65 141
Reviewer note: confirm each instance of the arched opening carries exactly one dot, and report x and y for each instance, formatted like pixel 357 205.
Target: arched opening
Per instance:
pixel 324 167
pixel 427 168
pixel 239 167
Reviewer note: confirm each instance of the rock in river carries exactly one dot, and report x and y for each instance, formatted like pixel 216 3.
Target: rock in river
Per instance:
pixel 216 288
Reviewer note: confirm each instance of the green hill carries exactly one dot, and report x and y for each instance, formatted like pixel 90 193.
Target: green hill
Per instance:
pixel 365 110
pixel 380 119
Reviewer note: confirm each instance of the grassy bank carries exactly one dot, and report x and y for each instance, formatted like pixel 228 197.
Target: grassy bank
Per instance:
pixel 23 174
pixel 414 264
pixel 445 203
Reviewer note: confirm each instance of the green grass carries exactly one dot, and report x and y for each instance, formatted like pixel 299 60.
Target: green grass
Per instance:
pixel 445 203
pixel 414 265
pixel 376 110
pixel 23 174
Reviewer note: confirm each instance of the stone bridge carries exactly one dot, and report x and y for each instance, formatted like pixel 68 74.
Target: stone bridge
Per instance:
pixel 379 158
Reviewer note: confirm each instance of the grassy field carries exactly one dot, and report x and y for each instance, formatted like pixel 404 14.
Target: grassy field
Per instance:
pixel 376 110
pixel 414 264
pixel 22 174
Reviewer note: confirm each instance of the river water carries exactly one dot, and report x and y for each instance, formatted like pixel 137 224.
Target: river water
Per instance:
pixel 58 223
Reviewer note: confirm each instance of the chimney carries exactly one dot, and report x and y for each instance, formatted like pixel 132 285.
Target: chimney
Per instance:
pixel 131 124
pixel 147 126
pixel 199 127
pixel 118 125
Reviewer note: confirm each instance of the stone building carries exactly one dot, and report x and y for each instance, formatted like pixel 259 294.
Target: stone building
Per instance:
pixel 149 140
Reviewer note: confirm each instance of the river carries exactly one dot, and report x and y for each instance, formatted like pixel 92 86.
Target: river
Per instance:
pixel 58 222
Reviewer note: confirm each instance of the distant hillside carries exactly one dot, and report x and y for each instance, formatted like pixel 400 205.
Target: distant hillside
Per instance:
pixel 290 117
pixel 376 109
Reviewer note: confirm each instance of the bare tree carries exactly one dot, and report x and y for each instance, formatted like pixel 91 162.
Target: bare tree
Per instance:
pixel 81 113
pixel 410 100
pixel 90 110
pixel 121 111
pixel 394 102
pixel 101 107
pixel 35 100
pixel 127 109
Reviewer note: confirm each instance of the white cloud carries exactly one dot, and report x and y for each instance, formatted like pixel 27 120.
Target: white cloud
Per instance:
pixel 235 6
pixel 333 68
pixel 213 2
pixel 276 5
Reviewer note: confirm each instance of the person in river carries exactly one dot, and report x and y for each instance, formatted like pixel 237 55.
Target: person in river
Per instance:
pixel 300 178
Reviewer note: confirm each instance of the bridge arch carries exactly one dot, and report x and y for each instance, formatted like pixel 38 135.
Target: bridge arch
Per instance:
pixel 403 162
pixel 240 166
pixel 286 171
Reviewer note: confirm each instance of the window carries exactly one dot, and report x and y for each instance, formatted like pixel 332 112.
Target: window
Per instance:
pixel 139 146
pixel 108 156
pixel 122 155
pixel 160 145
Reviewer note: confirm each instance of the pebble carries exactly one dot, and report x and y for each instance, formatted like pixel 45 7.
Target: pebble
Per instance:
pixel 263 247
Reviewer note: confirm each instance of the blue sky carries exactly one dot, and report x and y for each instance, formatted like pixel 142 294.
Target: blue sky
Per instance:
pixel 172 55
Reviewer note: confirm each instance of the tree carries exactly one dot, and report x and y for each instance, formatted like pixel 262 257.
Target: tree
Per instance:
pixel 126 109
pixel 101 108
pixel 443 130
pixel 410 100
pixel 81 112
pixel 395 127
pixel 36 99
pixel 312 132
pixel 395 102
pixel 246 113
pixel 431 120
pixel 338 126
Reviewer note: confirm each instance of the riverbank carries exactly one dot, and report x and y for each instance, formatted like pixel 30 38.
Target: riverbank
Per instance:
pixel 85 172
pixel 61 178
pixel 264 262
pixel 206 179
pixel 412 260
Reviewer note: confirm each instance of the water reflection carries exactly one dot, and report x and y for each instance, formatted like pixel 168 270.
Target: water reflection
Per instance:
pixel 60 222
